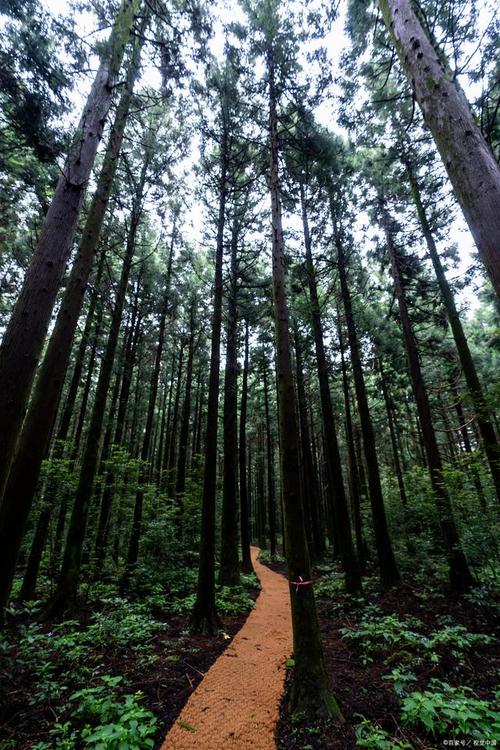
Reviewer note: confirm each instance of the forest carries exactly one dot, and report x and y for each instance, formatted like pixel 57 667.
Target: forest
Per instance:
pixel 249 374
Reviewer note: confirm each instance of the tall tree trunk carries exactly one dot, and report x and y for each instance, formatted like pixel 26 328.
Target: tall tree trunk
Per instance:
pixel 469 161
pixel 315 538
pixel 180 483
pixel 354 484
pixel 68 579
pixel 389 573
pixel 460 575
pixel 133 548
pixel 476 479
pixel 246 564
pixel 204 616
pixel 271 501
pixel 24 338
pixel 229 572
pixel 310 688
pixel 485 424
pixel 342 524
pixel 395 454
pixel 171 444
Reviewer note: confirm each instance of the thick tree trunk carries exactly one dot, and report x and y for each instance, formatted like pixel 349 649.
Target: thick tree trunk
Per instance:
pixel 229 572
pixel 68 579
pixel 484 422
pixel 460 575
pixel 246 565
pixel 341 521
pixel 310 690
pixel 469 161
pixel 389 573
pixel 21 486
pixel 24 338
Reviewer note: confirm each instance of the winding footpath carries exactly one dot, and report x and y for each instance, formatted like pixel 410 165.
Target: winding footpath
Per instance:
pixel 236 705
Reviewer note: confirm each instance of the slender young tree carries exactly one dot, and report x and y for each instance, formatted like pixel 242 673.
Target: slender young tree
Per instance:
pixel 460 576
pixel 246 565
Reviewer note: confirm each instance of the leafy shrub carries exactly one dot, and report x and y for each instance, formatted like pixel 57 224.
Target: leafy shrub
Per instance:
pixel 265 557
pixel 373 737
pixel 330 586
pixel 230 600
pixel 444 710
pixel 110 722
pixel 401 678
pixel 375 635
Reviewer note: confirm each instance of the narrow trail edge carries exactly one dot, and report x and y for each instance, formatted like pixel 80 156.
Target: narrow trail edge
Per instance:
pixel 236 705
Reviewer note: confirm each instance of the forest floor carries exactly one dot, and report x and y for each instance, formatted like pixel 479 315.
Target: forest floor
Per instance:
pixel 115 662
pixel 236 706
pixel 412 668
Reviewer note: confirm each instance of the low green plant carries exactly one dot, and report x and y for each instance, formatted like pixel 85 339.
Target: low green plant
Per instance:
pixel 375 635
pixel 373 737
pixel 401 679
pixel 449 711
pixel 231 600
pixel 329 586
pixel 378 634
pixel 104 721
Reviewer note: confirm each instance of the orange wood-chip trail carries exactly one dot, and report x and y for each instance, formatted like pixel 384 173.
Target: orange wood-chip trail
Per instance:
pixel 236 705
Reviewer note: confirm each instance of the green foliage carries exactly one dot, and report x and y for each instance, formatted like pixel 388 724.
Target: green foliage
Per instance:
pixel 375 635
pixel 444 710
pixel 330 586
pixel 373 737
pixel 401 678
pixel 265 557
pixel 104 720
pixel 231 600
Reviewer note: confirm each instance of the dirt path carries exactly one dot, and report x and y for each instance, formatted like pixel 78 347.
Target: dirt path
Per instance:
pixel 235 706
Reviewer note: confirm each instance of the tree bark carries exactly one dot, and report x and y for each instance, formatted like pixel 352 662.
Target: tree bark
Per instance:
pixel 473 171
pixel 246 565
pixel 460 575
pixel 484 422
pixel 229 572
pixel 310 690
pixel 389 573
pixel 24 338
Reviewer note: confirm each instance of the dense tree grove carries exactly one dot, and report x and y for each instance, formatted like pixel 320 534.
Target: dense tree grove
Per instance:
pixel 250 279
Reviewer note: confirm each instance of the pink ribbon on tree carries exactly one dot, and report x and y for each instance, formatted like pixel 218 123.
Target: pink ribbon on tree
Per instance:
pixel 300 582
